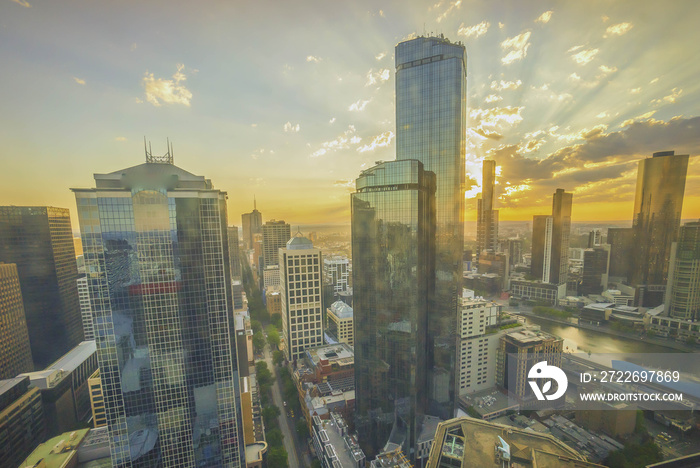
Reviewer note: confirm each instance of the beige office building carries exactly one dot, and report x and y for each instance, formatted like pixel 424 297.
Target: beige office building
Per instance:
pixel 300 275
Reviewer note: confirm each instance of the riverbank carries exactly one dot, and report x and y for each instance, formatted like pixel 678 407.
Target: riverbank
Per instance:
pixel 666 343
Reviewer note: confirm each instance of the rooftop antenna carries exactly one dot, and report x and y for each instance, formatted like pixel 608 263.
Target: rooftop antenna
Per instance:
pixel 255 203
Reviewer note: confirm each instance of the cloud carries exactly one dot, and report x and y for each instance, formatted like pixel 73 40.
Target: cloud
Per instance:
pixel 446 13
pixel 159 90
pixel 380 141
pixel 475 31
pixel 342 141
pixel 332 120
pixel 79 81
pixel 574 77
pixel 359 105
pixel 380 76
pixel 380 56
pixel 585 56
pixel 501 85
pixel 574 49
pixel 608 159
pixel 517 47
pixel 635 90
pixel 618 29
pixel 544 17
pixel 24 3
pixel 493 98
pixel 607 70
pixel 671 98
pixel 311 58
pixel 497 115
pixel 289 128
pixel 639 118
pixel 120 138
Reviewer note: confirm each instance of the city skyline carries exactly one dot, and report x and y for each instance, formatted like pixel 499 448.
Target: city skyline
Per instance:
pixel 275 102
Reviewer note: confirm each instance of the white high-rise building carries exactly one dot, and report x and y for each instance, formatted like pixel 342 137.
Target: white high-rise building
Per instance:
pixel 300 285
pixel 477 348
pixel 336 271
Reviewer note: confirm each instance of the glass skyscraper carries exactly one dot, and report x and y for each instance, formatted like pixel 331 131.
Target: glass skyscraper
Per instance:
pixel 393 242
pixel 683 290
pixel 658 203
pixel 157 265
pixel 431 118
pixel 487 217
pixel 39 240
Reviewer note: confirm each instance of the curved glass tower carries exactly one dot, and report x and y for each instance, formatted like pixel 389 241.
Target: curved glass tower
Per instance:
pixel 431 118
pixel 393 221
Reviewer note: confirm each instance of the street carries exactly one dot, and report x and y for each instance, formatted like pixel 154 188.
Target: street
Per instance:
pixel 283 421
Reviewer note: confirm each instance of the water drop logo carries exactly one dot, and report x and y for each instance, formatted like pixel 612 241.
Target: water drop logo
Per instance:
pixel 541 371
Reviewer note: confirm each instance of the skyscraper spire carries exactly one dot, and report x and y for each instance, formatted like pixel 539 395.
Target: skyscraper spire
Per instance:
pixel 255 203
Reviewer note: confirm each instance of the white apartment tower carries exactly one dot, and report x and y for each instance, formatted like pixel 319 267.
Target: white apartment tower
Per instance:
pixel 300 285
pixel 478 349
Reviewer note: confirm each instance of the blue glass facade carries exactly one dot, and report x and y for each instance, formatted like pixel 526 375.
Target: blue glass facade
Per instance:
pixel 393 219
pixel 157 262
pixel 431 116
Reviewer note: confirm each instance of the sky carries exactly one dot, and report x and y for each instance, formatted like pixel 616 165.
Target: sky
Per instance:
pixel 288 101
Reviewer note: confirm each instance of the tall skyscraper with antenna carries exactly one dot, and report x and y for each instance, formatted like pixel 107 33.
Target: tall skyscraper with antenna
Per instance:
pixel 252 224
pixel 157 266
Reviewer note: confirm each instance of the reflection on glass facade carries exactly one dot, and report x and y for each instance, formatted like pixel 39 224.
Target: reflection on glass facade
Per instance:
pixel 431 116
pixel 657 216
pixel 157 263
pixel 39 240
pixel 393 219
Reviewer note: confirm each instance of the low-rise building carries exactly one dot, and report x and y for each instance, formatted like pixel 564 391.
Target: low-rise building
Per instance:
pixel 339 322
pixel 271 276
pixel 64 388
pixel 83 447
pixel 538 291
pixel 22 423
pixel 273 300
pixel 468 442
pixel 335 447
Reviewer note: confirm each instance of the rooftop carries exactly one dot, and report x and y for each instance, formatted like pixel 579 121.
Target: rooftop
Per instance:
pixel 340 353
pixel 341 310
pixel 56 372
pixel 472 442
pixel 530 336
pixel 56 452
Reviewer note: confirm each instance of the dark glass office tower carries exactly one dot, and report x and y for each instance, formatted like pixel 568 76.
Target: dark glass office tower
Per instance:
pixel 431 117
pixel 275 235
pixel 15 352
pixel 561 231
pixel 550 241
pixel 596 263
pixel 252 223
pixel 621 242
pixel 486 216
pixel 658 203
pixel 393 219
pixel 157 263
pixel 40 241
